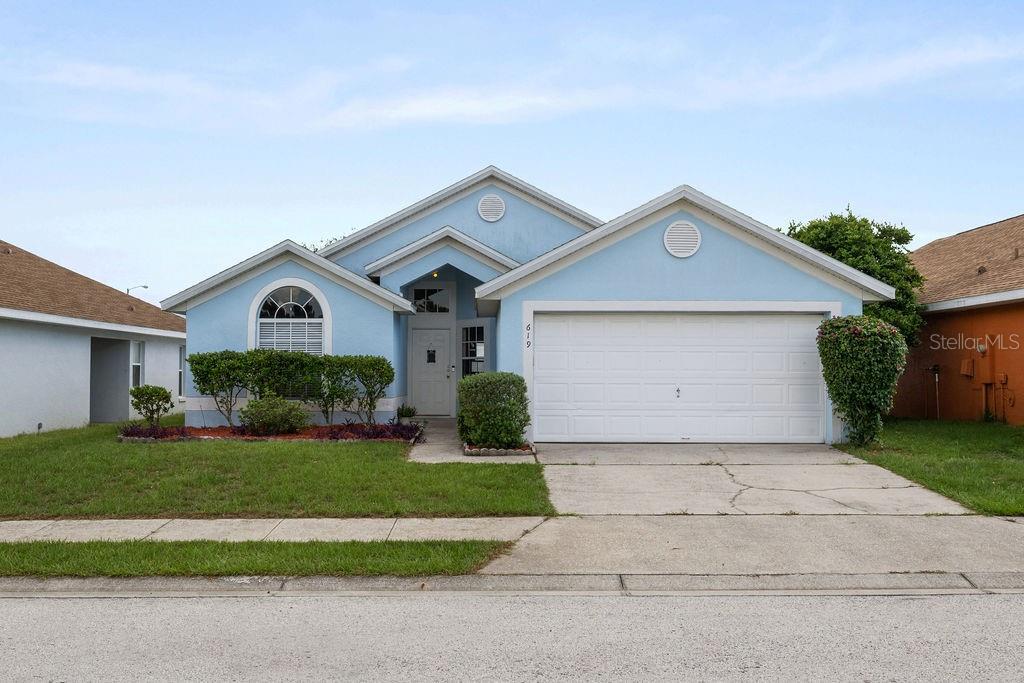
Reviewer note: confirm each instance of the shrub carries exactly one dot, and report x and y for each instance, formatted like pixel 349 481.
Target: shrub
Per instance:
pixel 406 411
pixel 330 382
pixel 347 432
pixel 374 375
pixel 493 410
pixel 222 375
pixel 151 402
pixel 862 358
pixel 271 415
pixel 147 431
pixel 285 373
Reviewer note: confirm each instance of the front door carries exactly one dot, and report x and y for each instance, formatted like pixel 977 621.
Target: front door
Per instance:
pixel 431 372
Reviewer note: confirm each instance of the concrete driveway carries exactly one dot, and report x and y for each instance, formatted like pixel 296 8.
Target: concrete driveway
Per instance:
pixel 697 479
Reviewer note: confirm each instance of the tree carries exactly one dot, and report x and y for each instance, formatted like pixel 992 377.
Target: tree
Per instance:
pixel 877 249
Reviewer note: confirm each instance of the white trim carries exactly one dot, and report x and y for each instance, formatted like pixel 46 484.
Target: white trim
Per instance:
pixel 996 298
pixel 181 301
pixel 578 217
pixel 871 288
pixel 50 319
pixel 208 403
pixel 831 309
pixel 321 298
pixel 445 236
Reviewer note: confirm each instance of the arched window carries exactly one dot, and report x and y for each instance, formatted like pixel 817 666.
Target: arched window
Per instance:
pixel 291 319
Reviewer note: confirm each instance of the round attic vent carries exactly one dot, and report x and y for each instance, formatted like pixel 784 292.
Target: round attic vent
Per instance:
pixel 491 208
pixel 682 239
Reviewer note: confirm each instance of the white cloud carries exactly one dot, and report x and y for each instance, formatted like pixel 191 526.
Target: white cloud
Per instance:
pixel 390 92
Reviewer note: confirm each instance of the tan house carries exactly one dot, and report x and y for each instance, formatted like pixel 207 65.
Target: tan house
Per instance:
pixel 970 361
pixel 71 347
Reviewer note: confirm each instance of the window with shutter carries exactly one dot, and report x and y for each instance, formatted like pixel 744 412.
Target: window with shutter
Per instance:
pixel 291 319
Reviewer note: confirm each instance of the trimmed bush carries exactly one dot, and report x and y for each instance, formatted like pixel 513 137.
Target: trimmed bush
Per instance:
pixel 493 410
pixel 222 375
pixel 285 373
pixel 147 431
pixel 331 384
pixel 271 415
pixel 374 375
pixel 151 402
pixel 862 358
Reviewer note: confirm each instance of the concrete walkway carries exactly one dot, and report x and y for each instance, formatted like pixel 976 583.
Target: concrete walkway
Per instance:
pixel 699 479
pixel 440 443
pixel 390 529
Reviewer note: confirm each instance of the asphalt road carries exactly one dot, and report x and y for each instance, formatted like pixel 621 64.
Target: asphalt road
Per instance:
pixel 459 637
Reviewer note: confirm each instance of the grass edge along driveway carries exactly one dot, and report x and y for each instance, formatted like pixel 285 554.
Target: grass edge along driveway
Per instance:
pixel 978 464
pixel 245 558
pixel 86 473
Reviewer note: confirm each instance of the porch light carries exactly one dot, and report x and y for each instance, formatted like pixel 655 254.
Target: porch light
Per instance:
pixel 434 274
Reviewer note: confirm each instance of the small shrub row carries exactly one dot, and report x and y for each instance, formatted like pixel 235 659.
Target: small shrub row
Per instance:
pixel 329 382
pixel 493 410
pixel 135 430
pixel 344 432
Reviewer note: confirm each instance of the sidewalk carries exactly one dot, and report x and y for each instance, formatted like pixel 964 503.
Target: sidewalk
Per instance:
pixel 356 529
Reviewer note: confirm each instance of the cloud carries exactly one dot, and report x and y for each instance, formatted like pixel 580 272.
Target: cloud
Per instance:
pixel 390 92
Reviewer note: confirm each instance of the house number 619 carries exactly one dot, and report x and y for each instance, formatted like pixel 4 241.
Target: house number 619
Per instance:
pixel 529 334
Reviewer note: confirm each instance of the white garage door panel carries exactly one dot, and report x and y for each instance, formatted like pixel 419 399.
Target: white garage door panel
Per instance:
pixel 677 377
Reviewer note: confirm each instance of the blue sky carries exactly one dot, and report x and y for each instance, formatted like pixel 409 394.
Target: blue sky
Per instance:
pixel 160 143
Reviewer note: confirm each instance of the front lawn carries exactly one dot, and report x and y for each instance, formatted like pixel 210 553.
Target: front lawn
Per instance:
pixel 978 464
pixel 251 558
pixel 86 473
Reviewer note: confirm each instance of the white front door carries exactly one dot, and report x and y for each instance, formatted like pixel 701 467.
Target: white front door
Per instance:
pixel 677 377
pixel 430 372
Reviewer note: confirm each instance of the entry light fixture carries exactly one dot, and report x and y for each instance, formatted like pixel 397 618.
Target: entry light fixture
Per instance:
pixel 434 274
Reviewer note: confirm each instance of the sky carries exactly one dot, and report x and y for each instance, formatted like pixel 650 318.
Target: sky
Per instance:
pixel 159 143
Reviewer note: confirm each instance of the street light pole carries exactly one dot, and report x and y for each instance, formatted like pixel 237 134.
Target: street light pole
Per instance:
pixel 129 290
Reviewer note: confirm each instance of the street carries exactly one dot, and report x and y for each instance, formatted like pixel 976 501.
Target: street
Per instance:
pixel 446 636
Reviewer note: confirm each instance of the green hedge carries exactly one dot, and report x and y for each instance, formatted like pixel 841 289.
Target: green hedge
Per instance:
pixel 493 410
pixel 329 382
pixel 270 414
pixel 862 359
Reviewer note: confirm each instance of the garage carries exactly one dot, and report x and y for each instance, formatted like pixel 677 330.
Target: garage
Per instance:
pixel 677 377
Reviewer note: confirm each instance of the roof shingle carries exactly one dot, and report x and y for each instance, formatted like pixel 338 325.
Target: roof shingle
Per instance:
pixel 985 260
pixel 31 283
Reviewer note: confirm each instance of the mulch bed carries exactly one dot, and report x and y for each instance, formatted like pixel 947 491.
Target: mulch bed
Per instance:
pixel 341 432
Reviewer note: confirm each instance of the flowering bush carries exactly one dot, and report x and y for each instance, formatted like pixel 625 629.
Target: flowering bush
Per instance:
pixel 862 358
pixel 147 431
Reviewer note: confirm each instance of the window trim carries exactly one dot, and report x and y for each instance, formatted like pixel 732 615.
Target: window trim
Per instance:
pixel 141 345
pixel 325 307
pixel 181 372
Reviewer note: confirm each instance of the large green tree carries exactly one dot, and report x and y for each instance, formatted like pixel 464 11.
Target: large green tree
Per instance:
pixel 878 249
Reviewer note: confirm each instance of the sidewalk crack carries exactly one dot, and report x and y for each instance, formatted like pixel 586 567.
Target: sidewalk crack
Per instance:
pixel 279 523
pixel 391 530
pixel 156 530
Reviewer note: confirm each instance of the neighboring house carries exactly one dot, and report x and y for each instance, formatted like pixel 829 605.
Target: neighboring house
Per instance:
pixel 971 360
pixel 71 347
pixel 682 320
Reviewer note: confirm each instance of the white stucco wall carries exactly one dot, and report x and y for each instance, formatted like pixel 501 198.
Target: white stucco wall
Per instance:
pixel 45 373
pixel 44 377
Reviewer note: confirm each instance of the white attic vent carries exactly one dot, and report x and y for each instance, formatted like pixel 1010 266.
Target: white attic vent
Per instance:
pixel 491 208
pixel 682 239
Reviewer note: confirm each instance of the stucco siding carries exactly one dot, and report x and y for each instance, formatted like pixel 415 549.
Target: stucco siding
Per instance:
pixel 46 377
pixel 436 260
pixel 639 268
pixel 358 325
pixel 49 375
pixel 525 231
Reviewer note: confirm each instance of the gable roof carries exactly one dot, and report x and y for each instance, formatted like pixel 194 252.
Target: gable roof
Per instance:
pixel 984 261
pixel 40 290
pixel 181 301
pixel 488 174
pixel 446 235
pixel 873 289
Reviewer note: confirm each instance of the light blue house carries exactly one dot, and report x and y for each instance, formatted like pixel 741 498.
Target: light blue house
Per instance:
pixel 680 321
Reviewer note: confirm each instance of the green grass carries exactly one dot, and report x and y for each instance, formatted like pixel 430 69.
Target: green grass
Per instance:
pixel 86 473
pixel 980 465
pixel 251 558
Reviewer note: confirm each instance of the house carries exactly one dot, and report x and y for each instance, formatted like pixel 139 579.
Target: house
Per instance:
pixel 71 347
pixel 970 359
pixel 681 320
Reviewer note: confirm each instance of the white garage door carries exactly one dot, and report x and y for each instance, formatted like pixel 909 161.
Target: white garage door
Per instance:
pixel 673 377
